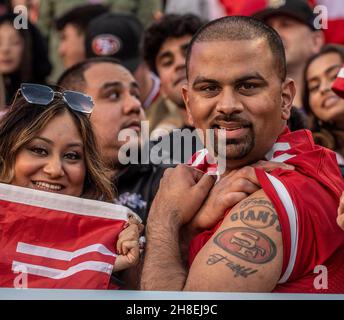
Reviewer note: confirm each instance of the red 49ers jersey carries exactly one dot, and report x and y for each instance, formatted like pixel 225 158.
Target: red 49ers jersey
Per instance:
pixel 306 201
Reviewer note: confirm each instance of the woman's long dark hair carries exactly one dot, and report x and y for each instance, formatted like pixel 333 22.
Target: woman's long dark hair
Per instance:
pixel 35 65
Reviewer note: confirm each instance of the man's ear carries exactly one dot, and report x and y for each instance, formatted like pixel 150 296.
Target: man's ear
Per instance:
pixel 185 91
pixel 288 94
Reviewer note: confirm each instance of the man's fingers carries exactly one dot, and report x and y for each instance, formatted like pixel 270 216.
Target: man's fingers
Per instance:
pixel 204 185
pixel 247 173
pixel 232 199
pixel 244 185
pixel 269 166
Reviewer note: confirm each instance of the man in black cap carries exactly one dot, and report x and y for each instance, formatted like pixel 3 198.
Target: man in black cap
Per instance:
pixel 118 35
pixel 294 21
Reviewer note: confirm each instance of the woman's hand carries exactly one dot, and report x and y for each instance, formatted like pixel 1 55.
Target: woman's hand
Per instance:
pixel 128 245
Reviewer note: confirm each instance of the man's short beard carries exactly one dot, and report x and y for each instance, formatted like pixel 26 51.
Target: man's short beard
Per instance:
pixel 238 148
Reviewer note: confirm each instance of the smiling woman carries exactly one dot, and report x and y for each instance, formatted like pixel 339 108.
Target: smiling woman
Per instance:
pixel 47 144
pixel 51 147
pixel 324 107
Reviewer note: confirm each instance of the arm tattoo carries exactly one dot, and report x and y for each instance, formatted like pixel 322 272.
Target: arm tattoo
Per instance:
pixel 257 213
pixel 238 269
pixel 247 244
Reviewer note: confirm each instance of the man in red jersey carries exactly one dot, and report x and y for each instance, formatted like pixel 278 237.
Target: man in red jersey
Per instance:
pixel 271 239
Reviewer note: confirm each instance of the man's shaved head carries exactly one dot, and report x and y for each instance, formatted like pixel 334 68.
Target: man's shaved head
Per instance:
pixel 241 28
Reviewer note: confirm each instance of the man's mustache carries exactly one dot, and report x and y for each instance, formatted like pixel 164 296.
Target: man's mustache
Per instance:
pixel 231 118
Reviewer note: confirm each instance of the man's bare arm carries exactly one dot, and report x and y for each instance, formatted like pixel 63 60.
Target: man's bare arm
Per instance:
pixel 181 194
pixel 173 207
pixel 163 268
pixel 246 252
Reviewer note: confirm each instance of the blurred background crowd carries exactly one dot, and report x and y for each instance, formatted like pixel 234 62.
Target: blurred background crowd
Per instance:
pixel 129 56
pixel 150 38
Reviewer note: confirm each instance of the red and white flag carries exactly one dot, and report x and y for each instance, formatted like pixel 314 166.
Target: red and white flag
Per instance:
pixel 203 161
pixel 338 84
pixel 48 240
pixel 331 10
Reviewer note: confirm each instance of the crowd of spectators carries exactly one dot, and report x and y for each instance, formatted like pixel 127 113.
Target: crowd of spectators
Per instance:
pixel 177 66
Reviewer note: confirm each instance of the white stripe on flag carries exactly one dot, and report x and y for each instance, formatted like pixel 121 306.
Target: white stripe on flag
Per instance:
pixel 58 274
pixel 200 157
pixel 60 202
pixel 61 254
pixel 341 73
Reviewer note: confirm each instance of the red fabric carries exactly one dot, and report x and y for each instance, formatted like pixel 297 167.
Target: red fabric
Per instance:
pixel 314 188
pixel 333 34
pixel 243 7
pixel 338 85
pixel 40 228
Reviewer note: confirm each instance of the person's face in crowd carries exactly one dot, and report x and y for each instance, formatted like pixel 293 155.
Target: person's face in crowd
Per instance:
pixel 54 160
pixel 321 73
pixel 11 49
pixel 71 47
pixel 117 107
pixel 299 40
pixel 234 85
pixel 170 64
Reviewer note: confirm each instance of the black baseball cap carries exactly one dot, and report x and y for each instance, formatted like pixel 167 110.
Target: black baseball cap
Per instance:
pixel 116 35
pixel 297 9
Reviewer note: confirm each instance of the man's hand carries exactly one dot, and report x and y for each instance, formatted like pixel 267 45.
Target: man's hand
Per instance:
pixel 340 218
pixel 229 191
pixel 181 193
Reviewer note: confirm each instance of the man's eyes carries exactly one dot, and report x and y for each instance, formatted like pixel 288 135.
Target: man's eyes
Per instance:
pixel 247 86
pixel 244 87
pixel 111 94
pixel 136 94
pixel 209 88
pixel 166 62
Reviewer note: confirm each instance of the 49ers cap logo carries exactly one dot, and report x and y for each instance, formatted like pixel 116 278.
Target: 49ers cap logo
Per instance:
pixel 106 45
pixel 276 3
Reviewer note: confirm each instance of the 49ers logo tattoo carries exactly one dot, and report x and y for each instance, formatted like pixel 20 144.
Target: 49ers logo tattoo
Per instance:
pixel 247 244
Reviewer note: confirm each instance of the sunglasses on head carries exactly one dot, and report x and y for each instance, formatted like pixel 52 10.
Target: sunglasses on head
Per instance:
pixel 43 95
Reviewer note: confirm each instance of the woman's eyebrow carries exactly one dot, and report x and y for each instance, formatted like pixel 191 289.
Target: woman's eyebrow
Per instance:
pixel 71 144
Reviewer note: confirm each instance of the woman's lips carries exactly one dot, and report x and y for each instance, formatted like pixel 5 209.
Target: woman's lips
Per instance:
pixel 5 61
pixel 330 102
